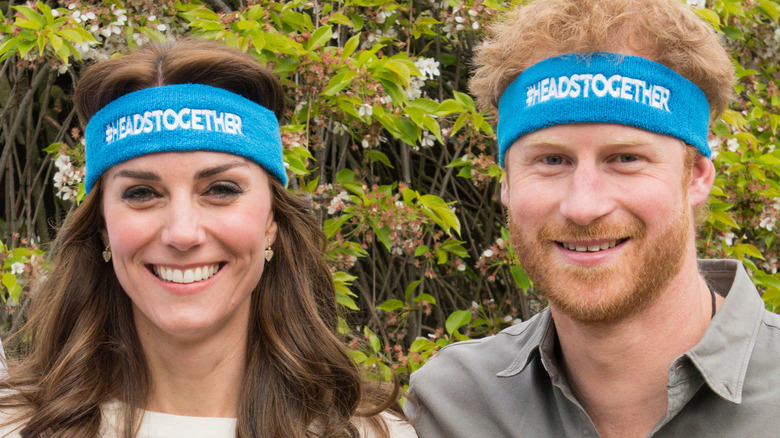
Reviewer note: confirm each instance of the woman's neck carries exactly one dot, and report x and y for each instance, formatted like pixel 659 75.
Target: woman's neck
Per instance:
pixel 200 378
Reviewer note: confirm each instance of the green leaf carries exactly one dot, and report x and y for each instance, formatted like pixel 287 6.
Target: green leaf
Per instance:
pixel 749 249
pixel 410 288
pixel 521 278
pixel 320 36
pixel 375 156
pixel 372 339
pixel 425 297
pixel 339 18
pixel 339 82
pixel 29 24
pixel 350 46
pixel 357 356
pixel 382 233
pixel 30 14
pixel 709 16
pixel 390 305
pixel 456 247
pixel 334 224
pixel 420 250
pixel 465 100
pixel 246 25
pixel 9 281
pixel 345 175
pixel 346 301
pixel 456 320
pixel 400 69
pixel 770 8
pixel 422 344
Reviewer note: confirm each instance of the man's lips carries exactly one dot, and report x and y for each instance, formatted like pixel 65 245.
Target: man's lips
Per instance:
pixel 591 245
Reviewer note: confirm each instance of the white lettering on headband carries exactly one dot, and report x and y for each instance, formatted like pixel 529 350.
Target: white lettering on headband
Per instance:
pixel 602 87
pixel 618 87
pixel 171 120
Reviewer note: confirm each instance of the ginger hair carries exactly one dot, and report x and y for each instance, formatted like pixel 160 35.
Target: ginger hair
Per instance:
pixel 664 31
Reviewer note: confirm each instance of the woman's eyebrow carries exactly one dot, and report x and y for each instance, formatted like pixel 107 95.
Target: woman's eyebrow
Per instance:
pixel 137 174
pixel 211 171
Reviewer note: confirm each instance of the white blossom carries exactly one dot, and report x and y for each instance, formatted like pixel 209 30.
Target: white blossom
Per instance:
pixel 768 222
pixel 17 268
pixel 488 253
pixel 427 140
pixel 428 67
pixel 365 110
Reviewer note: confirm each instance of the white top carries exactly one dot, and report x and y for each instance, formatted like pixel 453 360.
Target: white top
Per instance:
pixel 159 425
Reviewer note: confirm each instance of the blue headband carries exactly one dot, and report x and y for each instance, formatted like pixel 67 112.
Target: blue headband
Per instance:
pixel 186 117
pixel 603 88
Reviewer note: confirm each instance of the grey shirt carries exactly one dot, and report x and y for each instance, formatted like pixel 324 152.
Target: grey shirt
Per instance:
pixel 511 385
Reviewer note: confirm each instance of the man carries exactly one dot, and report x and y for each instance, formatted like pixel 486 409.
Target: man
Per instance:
pixel 604 108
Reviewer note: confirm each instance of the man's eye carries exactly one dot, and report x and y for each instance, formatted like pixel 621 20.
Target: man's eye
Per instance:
pixel 553 160
pixel 139 193
pixel 224 190
pixel 627 158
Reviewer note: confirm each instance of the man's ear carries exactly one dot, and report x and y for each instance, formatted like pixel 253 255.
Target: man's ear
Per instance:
pixel 505 188
pixel 702 178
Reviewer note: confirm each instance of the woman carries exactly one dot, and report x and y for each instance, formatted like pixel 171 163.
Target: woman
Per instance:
pixel 189 295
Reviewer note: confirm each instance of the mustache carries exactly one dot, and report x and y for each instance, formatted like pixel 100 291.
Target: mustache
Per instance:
pixel 598 230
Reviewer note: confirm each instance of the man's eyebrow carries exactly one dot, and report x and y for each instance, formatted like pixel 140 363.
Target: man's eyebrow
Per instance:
pixel 617 142
pixel 137 174
pixel 211 171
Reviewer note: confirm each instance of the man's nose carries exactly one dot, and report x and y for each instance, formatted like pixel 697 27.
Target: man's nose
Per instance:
pixel 587 197
pixel 183 228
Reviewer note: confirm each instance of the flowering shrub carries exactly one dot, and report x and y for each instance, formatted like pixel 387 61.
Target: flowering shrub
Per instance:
pixel 399 161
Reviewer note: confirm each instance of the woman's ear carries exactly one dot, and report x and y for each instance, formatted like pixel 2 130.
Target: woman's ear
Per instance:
pixel 271 228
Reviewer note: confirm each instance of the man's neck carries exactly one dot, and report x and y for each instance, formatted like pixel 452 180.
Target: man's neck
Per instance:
pixel 618 371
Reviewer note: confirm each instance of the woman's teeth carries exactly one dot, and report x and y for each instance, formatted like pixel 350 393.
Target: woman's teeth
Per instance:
pixel 186 276
pixel 590 248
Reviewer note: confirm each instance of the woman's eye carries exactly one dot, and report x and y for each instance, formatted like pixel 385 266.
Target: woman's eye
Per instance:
pixel 553 160
pixel 224 190
pixel 139 193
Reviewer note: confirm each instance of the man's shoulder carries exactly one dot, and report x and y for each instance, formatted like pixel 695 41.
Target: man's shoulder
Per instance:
pixel 488 355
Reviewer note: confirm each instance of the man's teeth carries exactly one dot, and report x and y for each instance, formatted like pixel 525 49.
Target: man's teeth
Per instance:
pixel 590 248
pixel 186 276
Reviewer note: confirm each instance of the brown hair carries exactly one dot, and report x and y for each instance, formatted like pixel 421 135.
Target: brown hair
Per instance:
pixel 665 31
pixel 83 349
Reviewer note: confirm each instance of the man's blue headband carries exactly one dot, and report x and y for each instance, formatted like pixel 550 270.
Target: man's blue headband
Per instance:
pixel 603 88
pixel 186 117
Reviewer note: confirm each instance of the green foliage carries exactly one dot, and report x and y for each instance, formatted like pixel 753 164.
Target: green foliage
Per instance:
pixel 397 157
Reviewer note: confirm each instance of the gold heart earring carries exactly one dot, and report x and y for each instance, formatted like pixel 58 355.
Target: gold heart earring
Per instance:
pixel 269 253
pixel 107 254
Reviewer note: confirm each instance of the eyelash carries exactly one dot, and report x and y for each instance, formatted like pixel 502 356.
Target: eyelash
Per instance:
pixel 138 193
pixel 220 190
pixel 225 189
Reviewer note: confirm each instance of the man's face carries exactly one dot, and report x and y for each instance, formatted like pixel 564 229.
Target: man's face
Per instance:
pixel 600 215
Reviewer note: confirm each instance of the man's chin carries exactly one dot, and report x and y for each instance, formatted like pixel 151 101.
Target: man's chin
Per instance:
pixel 597 301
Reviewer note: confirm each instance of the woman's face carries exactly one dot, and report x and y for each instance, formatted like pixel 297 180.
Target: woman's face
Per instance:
pixel 188 233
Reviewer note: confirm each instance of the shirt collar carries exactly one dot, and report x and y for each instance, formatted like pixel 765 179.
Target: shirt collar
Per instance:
pixel 721 356
pixel 723 353
pixel 540 331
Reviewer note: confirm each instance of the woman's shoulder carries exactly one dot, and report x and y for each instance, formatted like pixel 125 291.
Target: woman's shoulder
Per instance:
pixel 397 427
pixel 160 425
pixel 10 417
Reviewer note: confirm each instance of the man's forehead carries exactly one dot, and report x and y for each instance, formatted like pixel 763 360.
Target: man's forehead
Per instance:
pixel 593 134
